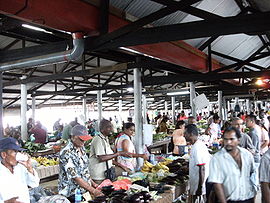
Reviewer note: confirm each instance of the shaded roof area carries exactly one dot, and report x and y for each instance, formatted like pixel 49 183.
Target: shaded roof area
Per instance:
pixel 220 31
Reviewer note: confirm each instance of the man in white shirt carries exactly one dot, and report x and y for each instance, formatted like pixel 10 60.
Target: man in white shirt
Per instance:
pixel 198 163
pixel 214 129
pixel 16 176
pixel 232 169
pixel 265 176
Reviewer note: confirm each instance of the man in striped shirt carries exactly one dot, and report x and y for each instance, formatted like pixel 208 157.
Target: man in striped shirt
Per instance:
pixel 231 169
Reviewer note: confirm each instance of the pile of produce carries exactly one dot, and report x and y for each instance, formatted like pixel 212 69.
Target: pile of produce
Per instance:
pixel 44 161
pixel 136 194
pixel 159 136
pixel 180 169
pixel 148 167
pixel 202 125
pixel 33 147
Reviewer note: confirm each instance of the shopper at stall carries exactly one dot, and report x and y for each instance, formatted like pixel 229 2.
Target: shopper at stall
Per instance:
pixel 231 170
pixel 101 155
pixel 124 144
pixel 255 134
pixel 163 127
pixel 198 163
pixel 265 176
pixel 191 120
pixel 264 140
pixel 15 176
pixel 214 129
pixel 67 130
pixel 179 140
pixel 39 133
pixel 73 162
pixel 245 141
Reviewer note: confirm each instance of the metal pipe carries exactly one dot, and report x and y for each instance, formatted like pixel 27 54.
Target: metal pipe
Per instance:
pixel 173 110
pixel 84 108
pixel 34 108
pixel 192 96
pixel 23 111
pixel 220 113
pixel 138 113
pixel 1 106
pixel 60 57
pixel 99 105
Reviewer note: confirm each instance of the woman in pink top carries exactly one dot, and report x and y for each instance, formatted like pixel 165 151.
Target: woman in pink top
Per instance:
pixel 178 137
pixel 124 143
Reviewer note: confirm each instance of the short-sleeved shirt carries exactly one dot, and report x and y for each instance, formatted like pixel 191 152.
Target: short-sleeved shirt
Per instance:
pixel 125 161
pixel 73 164
pixel 246 142
pixel 99 145
pixel 255 135
pixel 199 156
pixel 15 184
pixel 236 183
pixel 265 167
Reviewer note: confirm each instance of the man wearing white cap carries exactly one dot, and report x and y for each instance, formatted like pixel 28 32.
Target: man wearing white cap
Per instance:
pixel 16 173
pixel 74 173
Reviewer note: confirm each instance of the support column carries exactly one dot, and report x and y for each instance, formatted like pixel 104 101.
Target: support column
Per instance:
pixel 34 108
pixel 120 111
pixel 144 109
pixel 84 108
pixel 173 110
pixel 225 109
pixel 166 107
pixel 181 106
pixel 248 106
pixel 23 110
pixel 192 96
pixel 220 114
pixel 229 105
pixel 99 105
pixel 138 113
pixel 1 106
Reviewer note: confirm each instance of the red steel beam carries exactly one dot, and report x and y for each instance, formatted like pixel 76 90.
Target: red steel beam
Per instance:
pixel 76 15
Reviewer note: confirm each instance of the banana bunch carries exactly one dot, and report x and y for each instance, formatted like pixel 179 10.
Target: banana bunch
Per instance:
pixel 45 161
pixel 161 166
pixel 147 167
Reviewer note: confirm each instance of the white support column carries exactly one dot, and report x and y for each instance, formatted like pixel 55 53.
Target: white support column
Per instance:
pixel 192 96
pixel 23 110
pixel 225 115
pixel 1 106
pixel 99 105
pixel 181 106
pixel 173 110
pixel 144 109
pixel 166 107
pixel 120 111
pixel 84 108
pixel 138 114
pixel 220 105
pixel 229 105
pixel 34 108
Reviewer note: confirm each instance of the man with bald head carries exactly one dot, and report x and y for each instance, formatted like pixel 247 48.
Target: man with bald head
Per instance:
pixel 101 155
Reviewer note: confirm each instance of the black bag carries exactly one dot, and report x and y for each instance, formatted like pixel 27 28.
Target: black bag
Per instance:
pixel 110 172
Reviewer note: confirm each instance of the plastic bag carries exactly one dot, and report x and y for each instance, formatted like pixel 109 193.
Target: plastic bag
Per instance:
pixel 105 182
pixel 122 184
pixel 54 199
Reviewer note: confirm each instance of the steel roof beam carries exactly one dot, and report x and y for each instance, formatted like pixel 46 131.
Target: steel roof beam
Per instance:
pixel 157 80
pixel 259 22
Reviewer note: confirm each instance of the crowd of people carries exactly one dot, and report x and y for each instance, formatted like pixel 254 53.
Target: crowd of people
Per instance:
pixel 234 173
